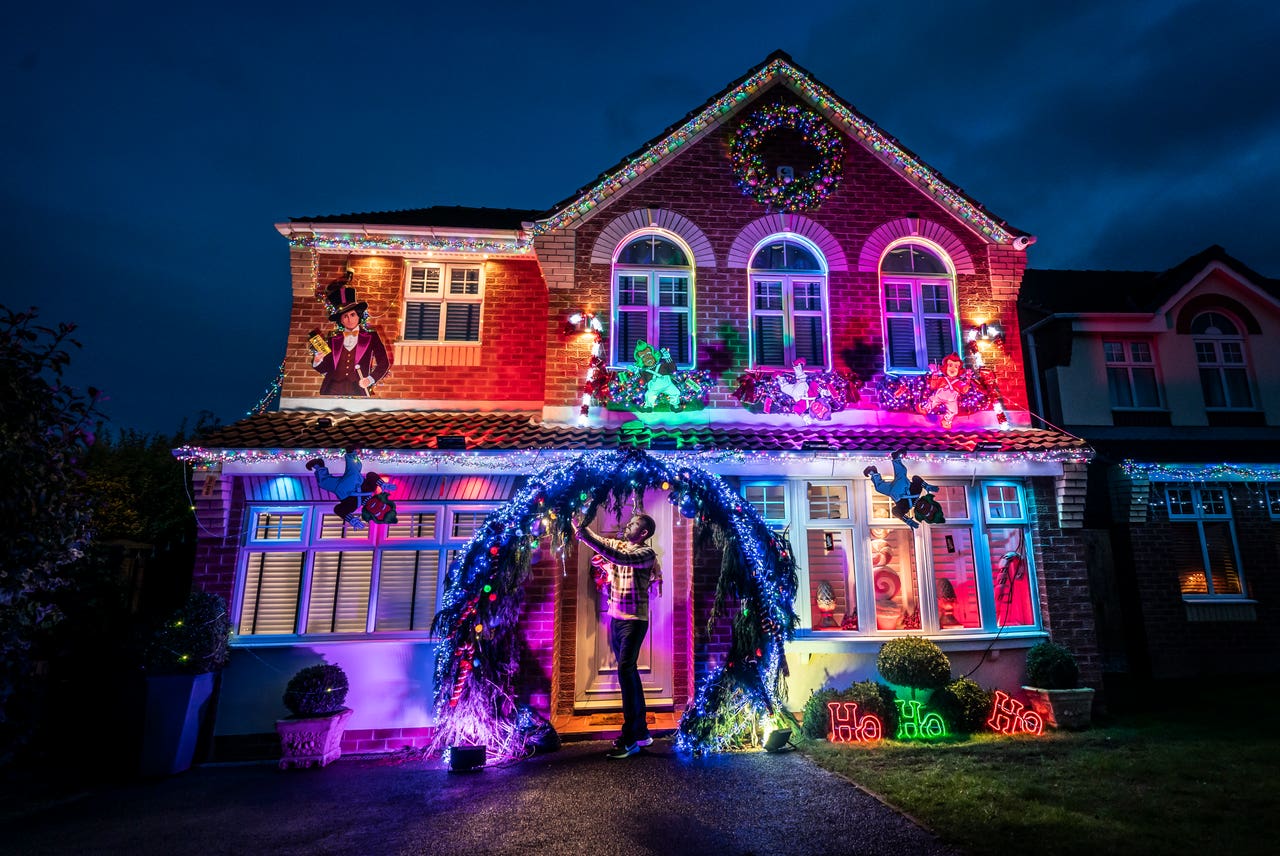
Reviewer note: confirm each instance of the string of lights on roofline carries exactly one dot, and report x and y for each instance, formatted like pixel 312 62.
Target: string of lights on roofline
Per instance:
pixel 523 460
pixel 884 147
pixel 1201 472
pixel 393 243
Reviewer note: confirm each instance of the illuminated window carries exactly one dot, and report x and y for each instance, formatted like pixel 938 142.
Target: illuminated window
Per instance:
pixel 1273 501
pixel 919 310
pixel 788 306
pixel 325 577
pixel 443 303
pixel 1131 374
pixel 1202 549
pixel 1220 354
pixel 828 501
pixel 652 299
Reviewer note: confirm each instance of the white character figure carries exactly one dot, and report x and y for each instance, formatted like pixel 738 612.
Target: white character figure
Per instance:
pixel 806 393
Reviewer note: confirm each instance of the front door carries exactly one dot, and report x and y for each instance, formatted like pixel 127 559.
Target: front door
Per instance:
pixel 597 673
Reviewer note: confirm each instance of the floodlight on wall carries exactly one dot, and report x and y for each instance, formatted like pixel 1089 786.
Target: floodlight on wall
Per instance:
pixel 777 740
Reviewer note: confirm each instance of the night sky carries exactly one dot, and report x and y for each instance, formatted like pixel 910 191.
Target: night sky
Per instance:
pixel 149 148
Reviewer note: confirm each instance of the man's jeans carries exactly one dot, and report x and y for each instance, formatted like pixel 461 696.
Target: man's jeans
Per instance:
pixel 625 638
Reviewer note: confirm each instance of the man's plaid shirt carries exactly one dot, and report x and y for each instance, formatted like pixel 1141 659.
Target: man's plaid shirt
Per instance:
pixel 630 569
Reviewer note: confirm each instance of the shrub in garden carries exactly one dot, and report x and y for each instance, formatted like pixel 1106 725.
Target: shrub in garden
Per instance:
pixel 816 719
pixel 964 705
pixel 910 661
pixel 316 691
pixel 1052 667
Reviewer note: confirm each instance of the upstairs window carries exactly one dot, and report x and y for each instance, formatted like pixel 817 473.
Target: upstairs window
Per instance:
pixel 1131 374
pixel 788 306
pixel 653 299
pixel 1220 354
pixel 919 308
pixel 442 303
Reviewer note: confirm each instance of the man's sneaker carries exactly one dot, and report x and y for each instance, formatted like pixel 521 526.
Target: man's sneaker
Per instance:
pixel 623 751
pixel 645 741
pixel 315 462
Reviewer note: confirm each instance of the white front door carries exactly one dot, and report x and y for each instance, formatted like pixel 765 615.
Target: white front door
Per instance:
pixel 597 673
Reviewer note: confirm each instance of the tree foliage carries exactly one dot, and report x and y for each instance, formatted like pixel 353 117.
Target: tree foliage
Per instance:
pixel 45 433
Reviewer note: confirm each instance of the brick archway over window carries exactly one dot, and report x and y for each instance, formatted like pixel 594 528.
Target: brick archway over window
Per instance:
pixel 653 218
pixel 781 224
pixel 913 227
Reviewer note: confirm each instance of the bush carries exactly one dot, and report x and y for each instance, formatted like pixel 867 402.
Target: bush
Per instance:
pixel 191 641
pixel 964 705
pixel 316 691
pixel 910 661
pixel 1052 667
pixel 871 697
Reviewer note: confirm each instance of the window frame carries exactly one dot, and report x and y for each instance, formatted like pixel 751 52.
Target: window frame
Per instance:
pixel 1220 365
pixel 918 316
pixel 444 299
pixel 1199 514
pixel 1128 364
pixel 376 541
pixel 653 309
pixel 788 280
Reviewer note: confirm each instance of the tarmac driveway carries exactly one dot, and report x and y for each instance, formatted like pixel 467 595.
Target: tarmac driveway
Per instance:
pixel 574 801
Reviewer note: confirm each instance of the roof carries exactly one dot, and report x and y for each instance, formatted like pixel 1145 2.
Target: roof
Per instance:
pixel 411 431
pixel 441 216
pixel 1109 291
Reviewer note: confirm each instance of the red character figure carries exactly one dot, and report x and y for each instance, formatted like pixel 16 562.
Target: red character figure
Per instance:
pixel 945 387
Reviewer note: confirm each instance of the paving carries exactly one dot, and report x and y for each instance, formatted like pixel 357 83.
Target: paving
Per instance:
pixel 574 801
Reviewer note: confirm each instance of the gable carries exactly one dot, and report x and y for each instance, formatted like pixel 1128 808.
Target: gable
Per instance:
pixel 777 70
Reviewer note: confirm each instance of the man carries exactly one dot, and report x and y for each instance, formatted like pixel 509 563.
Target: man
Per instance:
pixel 627 570
pixel 356 358
pixel 901 490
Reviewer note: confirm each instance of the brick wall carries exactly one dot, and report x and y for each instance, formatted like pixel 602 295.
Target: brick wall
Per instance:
pixel 698 184
pixel 219 519
pixel 1182 648
pixel 506 366
pixel 1066 601
pixel 539 626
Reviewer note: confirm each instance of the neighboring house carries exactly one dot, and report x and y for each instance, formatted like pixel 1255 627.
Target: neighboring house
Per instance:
pixel 1186 482
pixel 770 289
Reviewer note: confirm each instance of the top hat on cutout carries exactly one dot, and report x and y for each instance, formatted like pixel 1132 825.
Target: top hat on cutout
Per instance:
pixel 343 299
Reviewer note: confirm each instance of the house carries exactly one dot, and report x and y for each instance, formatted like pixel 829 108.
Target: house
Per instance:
pixel 773 289
pixel 1184 494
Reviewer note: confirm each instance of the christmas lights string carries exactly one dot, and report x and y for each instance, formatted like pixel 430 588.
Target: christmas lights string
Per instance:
pixel 374 243
pixel 478 658
pixel 272 393
pixel 786 193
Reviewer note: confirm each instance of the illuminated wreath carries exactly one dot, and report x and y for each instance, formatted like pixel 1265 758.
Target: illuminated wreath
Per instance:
pixel 790 194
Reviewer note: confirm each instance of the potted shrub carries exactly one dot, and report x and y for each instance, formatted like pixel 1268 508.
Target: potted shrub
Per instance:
pixel 915 663
pixel 1053 687
pixel 312 733
pixel 180 658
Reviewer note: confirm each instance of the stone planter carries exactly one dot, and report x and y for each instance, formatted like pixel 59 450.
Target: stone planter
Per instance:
pixel 307 741
pixel 1068 709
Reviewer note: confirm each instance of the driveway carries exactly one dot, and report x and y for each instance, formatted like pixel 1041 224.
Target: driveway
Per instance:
pixel 574 801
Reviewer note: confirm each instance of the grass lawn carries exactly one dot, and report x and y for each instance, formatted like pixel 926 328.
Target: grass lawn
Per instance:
pixel 1204 778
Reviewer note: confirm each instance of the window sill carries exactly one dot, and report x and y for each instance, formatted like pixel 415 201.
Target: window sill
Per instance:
pixel 437 353
pixel 297 639
pixel 1220 609
pixel 835 642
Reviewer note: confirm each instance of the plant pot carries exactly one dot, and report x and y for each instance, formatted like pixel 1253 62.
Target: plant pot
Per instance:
pixel 175 709
pixel 1068 709
pixel 307 741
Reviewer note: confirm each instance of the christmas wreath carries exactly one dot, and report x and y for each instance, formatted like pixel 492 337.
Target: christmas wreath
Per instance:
pixel 786 193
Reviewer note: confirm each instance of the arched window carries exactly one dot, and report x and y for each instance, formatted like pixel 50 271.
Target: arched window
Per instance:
pixel 919 308
pixel 652 299
pixel 788 306
pixel 1224 372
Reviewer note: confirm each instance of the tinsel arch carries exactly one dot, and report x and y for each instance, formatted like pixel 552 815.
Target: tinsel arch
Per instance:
pixel 478 658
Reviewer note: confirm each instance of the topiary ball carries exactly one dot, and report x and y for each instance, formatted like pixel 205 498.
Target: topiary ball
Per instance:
pixel 910 661
pixel 964 705
pixel 316 691
pixel 1052 667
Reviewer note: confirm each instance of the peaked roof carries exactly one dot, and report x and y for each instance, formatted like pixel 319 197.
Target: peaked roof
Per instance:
pixel 1107 291
pixel 780 67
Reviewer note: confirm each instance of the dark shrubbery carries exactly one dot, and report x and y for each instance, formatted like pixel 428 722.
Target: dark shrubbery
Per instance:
pixel 1052 667
pixel 871 697
pixel 191 641
pixel 316 691
pixel 964 705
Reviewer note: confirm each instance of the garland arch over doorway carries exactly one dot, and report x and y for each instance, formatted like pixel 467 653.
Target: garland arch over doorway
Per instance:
pixel 478 658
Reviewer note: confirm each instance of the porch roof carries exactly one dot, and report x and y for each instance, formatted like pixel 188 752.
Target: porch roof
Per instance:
pixel 407 430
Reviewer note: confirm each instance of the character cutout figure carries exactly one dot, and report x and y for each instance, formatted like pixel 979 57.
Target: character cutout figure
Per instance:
pixel 655 368
pixel 905 492
pixel 946 387
pixel 352 360
pixel 806 392
pixel 360 497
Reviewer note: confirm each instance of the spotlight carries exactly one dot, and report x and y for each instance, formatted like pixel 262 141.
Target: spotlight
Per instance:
pixel 778 740
pixel 451 441
pixel 464 759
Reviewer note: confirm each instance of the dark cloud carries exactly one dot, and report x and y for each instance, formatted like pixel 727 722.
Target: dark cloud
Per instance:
pixel 149 150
